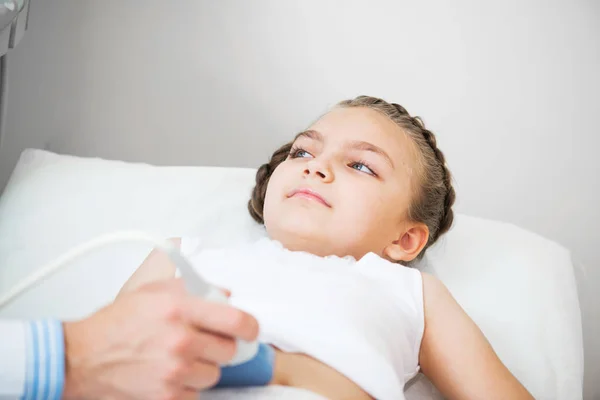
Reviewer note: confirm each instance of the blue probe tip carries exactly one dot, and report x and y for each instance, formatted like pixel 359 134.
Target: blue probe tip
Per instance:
pixel 256 372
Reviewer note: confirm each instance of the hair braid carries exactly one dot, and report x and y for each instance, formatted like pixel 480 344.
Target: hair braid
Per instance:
pixel 446 217
pixel 263 174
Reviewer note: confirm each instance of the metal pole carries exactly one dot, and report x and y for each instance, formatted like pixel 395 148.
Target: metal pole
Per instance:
pixel 3 94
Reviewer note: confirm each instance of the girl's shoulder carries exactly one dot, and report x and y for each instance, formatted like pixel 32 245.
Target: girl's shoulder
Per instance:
pixel 434 290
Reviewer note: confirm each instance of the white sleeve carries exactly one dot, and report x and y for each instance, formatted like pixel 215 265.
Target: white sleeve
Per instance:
pixel 32 356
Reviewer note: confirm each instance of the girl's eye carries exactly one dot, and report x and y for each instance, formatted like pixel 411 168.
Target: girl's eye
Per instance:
pixel 362 168
pixel 300 153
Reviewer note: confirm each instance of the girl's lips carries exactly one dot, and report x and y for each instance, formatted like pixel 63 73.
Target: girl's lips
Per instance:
pixel 309 194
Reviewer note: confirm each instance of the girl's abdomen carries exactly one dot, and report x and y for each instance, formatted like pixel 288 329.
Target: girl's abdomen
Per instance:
pixel 304 372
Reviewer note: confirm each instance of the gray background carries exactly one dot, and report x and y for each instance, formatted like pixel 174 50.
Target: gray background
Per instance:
pixel 510 87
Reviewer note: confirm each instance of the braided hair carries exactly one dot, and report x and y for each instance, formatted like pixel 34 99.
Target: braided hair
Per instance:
pixel 263 174
pixel 434 193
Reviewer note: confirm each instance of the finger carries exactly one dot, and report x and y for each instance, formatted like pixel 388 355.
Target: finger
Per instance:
pixel 180 284
pixel 201 376
pixel 220 318
pixel 184 394
pixel 189 394
pixel 209 347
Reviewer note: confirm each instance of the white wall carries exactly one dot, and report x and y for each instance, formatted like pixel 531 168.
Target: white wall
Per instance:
pixel 510 87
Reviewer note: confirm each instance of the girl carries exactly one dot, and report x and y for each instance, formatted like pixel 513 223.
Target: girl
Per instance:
pixel 348 206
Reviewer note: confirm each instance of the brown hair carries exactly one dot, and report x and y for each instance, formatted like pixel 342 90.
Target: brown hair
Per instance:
pixel 434 195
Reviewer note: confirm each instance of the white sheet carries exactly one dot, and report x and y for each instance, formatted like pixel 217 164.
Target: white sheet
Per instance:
pixel 261 393
pixel 517 286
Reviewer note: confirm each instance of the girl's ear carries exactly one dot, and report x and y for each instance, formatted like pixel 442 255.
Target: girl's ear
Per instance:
pixel 409 244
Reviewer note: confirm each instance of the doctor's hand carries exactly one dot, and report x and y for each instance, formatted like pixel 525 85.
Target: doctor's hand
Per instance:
pixel 155 342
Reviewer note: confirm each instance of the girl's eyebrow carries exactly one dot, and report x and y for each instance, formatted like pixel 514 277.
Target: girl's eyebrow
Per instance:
pixel 366 146
pixel 355 145
pixel 311 134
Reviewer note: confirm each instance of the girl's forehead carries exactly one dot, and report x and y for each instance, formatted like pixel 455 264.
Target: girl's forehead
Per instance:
pixel 364 124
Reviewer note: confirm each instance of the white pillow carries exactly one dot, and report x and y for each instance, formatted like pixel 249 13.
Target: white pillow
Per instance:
pixel 517 286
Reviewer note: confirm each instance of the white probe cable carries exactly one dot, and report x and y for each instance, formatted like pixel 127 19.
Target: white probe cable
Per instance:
pixel 201 288
pixel 194 283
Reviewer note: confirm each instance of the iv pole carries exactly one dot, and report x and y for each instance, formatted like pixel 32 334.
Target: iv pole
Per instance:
pixel 14 18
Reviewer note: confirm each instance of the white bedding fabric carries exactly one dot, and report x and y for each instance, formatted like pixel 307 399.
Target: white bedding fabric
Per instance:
pixel 419 389
pixel 517 286
pixel 261 393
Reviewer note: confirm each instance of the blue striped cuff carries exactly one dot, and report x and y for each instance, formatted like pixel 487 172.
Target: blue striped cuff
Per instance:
pixel 45 367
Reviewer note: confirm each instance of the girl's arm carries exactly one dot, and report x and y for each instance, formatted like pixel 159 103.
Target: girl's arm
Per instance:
pixel 456 356
pixel 155 267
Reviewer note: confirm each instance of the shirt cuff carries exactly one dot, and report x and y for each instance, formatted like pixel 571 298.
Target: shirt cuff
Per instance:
pixel 45 360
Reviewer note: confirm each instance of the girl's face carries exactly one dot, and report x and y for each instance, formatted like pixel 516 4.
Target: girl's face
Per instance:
pixel 345 189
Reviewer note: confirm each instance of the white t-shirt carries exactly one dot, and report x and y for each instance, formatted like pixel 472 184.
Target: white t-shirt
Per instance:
pixel 363 318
